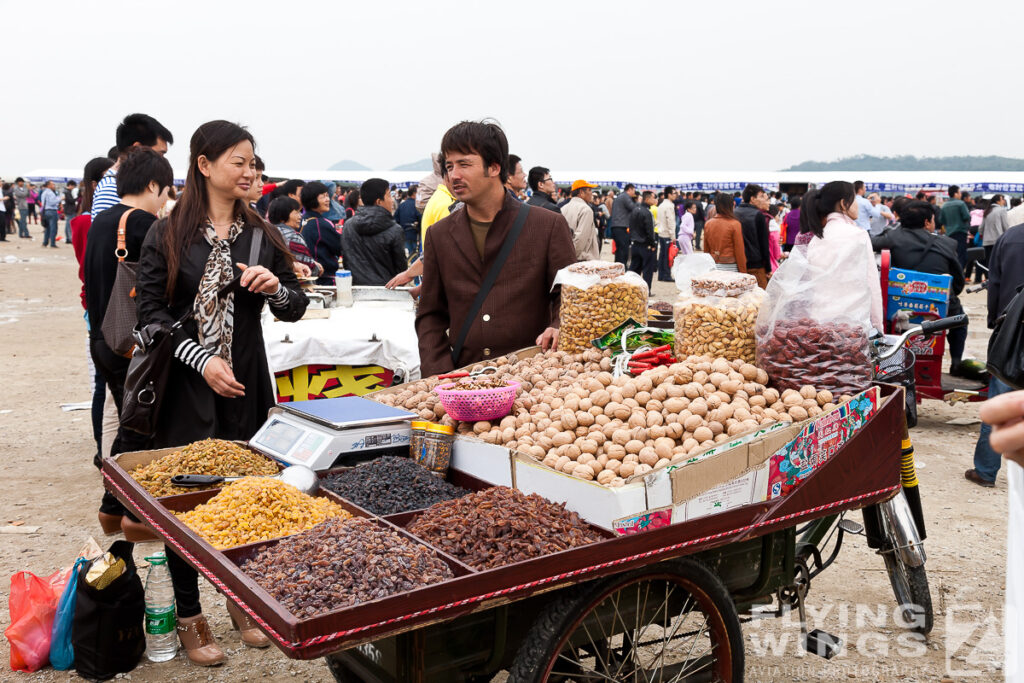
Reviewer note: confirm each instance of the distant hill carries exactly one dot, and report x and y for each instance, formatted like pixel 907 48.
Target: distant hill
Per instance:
pixel 865 162
pixel 425 165
pixel 348 165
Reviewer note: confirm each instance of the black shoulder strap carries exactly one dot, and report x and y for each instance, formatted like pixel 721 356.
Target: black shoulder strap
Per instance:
pixel 489 280
pixel 254 248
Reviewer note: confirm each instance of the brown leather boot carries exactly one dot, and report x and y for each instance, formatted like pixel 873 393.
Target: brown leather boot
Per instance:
pixel 243 623
pixel 198 641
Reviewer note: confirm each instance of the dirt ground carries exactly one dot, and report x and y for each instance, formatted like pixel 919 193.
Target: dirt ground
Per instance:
pixel 49 481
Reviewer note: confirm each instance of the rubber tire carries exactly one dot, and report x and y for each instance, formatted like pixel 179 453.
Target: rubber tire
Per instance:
pixel 917 584
pixel 559 616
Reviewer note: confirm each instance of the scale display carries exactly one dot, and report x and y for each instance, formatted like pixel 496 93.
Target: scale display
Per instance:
pixel 278 436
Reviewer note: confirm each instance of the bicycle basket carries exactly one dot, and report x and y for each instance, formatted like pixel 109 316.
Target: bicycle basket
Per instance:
pixel 899 369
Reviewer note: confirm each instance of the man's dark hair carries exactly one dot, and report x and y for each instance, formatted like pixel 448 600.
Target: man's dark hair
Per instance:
pixel 647 194
pixel 628 187
pixel 921 195
pixel 915 214
pixel 373 190
pixel 112 153
pixel 310 195
pixel 751 191
pixel 899 203
pixel 931 199
pixel 858 185
pixel 669 190
pixel 485 138
pixel 953 189
pixel 290 187
pixel 139 168
pixel 352 200
pixel 413 189
pixel 513 161
pixel 536 175
pixel 1015 202
pixel 794 202
pixel 71 183
pixel 281 209
pixel 19 179
pixel 965 196
pixel 260 166
pixel 142 129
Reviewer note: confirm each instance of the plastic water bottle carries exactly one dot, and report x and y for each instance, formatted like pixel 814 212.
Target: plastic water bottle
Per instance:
pixel 343 288
pixel 161 635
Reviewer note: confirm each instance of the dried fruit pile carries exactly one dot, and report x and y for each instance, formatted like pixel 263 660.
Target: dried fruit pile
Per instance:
pixel 389 485
pixel 833 356
pixel 210 456
pixel 251 510
pixel 499 526
pixel 341 563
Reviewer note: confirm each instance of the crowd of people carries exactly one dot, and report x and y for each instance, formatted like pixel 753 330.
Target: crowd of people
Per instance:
pixel 483 240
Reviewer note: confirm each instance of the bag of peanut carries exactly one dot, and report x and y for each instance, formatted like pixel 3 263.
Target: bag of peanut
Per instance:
pixel 597 297
pixel 715 316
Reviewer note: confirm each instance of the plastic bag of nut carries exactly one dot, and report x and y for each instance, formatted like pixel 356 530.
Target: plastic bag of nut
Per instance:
pixel 597 296
pixel 803 339
pixel 717 326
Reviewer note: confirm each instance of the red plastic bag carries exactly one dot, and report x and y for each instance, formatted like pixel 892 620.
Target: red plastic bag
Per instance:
pixel 673 251
pixel 33 602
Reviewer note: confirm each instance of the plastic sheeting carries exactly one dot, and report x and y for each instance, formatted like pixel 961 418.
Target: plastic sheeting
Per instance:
pixel 369 333
pixel 1013 626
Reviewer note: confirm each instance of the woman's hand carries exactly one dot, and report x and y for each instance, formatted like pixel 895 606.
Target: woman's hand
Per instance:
pixel 221 379
pixel 301 270
pixel 258 280
pixel 1006 415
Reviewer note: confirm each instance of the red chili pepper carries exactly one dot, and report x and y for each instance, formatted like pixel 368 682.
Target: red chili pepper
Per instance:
pixel 453 375
pixel 640 366
pixel 652 352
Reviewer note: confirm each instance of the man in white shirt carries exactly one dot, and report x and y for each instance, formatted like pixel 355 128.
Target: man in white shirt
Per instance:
pixel 133 131
pixel 865 211
pixel 579 214
pixel 879 223
pixel 665 226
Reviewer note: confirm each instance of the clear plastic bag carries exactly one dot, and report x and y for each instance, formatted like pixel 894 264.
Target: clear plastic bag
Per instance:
pixel 814 325
pixel 717 326
pixel 597 297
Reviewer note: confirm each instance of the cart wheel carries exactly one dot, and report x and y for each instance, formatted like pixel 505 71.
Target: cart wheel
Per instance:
pixel 341 672
pixel 668 622
pixel 910 584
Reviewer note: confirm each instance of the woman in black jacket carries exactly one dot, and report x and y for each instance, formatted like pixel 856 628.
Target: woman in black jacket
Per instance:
pixel 220 386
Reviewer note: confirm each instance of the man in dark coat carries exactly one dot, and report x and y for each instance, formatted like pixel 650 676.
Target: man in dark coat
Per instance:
pixel 622 210
pixel 522 307
pixel 643 239
pixel 372 242
pixel 543 186
pixel 755 233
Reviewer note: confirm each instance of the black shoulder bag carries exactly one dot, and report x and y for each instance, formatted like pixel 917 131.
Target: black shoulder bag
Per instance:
pixel 146 383
pixel 1006 345
pixel 489 280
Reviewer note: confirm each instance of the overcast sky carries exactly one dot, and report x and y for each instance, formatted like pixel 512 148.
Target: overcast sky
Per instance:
pixel 588 85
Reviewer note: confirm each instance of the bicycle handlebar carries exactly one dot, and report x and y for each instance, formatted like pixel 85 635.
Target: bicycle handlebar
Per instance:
pixel 926 328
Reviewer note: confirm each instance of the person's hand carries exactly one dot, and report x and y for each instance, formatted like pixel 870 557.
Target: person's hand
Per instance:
pixel 301 270
pixel 1006 415
pixel 548 339
pixel 402 278
pixel 221 379
pixel 258 280
pixel 414 292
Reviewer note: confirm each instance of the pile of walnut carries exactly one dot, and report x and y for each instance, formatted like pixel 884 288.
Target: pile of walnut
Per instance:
pixel 575 417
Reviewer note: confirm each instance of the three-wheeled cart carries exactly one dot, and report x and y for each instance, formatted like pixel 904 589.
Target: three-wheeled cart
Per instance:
pixel 662 604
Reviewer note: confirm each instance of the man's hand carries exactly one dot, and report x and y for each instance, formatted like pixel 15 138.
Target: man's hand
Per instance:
pixel 399 280
pixel 548 339
pixel 1006 415
pixel 221 379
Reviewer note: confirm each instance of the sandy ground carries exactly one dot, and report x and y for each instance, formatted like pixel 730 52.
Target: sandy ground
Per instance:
pixel 49 481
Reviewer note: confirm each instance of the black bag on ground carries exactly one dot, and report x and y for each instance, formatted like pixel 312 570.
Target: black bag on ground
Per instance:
pixel 107 632
pixel 1006 345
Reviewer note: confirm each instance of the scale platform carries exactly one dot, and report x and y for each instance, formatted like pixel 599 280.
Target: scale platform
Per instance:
pixel 326 432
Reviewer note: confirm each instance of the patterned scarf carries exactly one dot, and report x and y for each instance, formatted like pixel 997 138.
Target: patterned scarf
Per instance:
pixel 214 315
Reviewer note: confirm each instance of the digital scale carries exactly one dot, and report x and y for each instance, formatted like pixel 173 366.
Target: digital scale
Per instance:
pixel 321 433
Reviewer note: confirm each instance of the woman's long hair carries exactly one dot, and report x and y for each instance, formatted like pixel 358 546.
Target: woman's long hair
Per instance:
pixel 818 204
pixel 724 205
pixel 992 203
pixel 184 224
pixel 93 173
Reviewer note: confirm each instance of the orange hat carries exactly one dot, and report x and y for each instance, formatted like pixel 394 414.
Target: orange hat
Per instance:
pixel 581 183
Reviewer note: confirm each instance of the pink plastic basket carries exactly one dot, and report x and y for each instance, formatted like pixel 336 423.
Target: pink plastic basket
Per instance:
pixel 479 404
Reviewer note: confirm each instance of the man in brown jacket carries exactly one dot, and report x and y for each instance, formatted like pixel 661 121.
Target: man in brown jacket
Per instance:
pixel 521 309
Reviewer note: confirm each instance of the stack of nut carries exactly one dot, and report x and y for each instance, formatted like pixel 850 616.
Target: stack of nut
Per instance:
pixel 592 310
pixel 718 318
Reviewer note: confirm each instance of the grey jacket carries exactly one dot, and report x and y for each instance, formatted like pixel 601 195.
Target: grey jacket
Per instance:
pixel 995 224
pixel 622 209
pixel 21 197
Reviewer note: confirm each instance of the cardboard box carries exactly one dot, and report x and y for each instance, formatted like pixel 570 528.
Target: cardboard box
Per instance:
pixel 484 461
pixel 928 286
